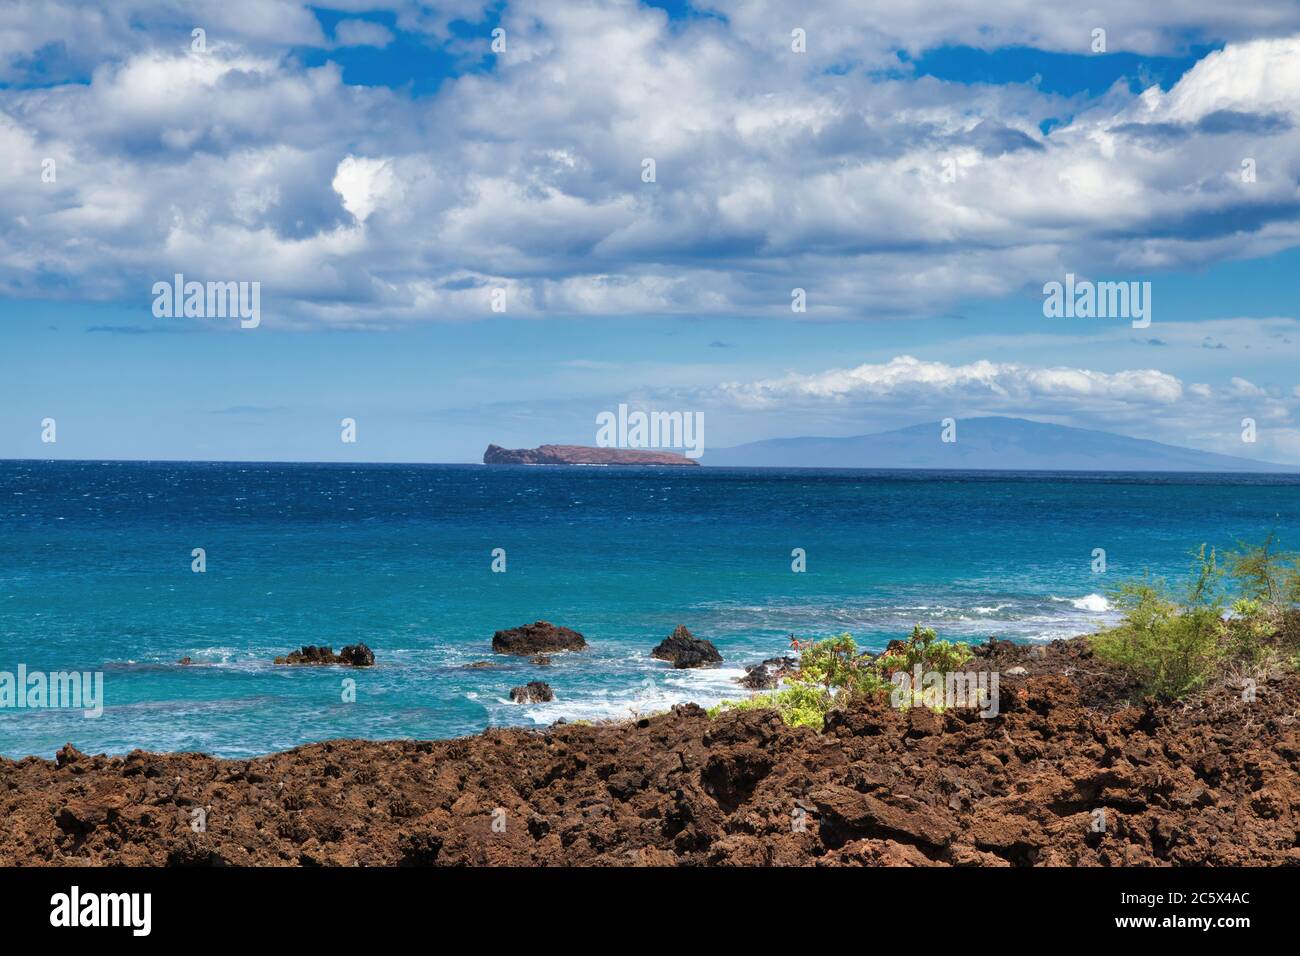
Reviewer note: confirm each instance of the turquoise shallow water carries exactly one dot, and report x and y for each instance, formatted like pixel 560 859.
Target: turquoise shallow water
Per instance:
pixel 95 575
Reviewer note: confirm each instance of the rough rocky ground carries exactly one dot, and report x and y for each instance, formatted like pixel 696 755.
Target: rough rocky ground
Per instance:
pixel 1214 780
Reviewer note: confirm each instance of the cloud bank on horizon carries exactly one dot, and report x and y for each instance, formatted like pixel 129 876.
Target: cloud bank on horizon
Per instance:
pixel 882 187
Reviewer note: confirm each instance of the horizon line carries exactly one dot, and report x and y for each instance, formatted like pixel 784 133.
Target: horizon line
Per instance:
pixel 1295 473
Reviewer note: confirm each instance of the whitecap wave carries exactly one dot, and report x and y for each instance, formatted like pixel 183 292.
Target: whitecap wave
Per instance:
pixel 654 694
pixel 1091 602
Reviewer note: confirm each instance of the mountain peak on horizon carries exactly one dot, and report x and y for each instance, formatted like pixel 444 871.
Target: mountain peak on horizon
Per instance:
pixel 989 442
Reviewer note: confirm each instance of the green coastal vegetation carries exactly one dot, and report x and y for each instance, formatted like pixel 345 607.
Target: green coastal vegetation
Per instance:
pixel 1232 619
pixel 1176 640
pixel 834 673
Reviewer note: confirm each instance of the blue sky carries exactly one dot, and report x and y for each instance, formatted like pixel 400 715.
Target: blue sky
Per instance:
pixel 380 170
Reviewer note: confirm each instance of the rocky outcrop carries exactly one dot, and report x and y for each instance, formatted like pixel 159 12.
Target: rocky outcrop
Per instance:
pixel 67 754
pixel 683 649
pixel 358 655
pixel 769 673
pixel 354 655
pixel 581 455
pixel 534 692
pixel 1210 781
pixel 540 637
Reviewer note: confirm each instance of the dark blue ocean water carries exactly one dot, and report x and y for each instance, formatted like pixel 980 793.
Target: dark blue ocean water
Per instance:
pixel 95 574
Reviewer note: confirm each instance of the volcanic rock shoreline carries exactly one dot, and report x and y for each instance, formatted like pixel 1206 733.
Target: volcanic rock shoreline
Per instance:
pixel 1069 773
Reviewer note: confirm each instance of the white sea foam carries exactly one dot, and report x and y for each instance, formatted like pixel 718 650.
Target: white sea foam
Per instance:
pixel 961 617
pixel 1091 602
pixel 216 655
pixel 655 693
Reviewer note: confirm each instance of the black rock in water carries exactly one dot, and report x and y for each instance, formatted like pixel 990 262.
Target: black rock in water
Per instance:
pixel 541 637
pixel 355 655
pixel 534 692
pixel 768 674
pixel 683 649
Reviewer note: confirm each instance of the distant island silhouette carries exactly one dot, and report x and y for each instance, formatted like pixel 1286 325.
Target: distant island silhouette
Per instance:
pixel 581 455
pixel 989 443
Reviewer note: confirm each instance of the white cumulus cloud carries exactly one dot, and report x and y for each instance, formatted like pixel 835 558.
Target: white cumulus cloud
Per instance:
pixel 364 183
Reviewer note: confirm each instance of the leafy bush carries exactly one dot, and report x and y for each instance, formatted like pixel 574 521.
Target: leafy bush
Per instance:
pixel 831 663
pixel 800 705
pixel 1170 645
pixel 833 673
pixel 837 666
pixel 1249 630
pixel 1265 574
pixel 923 648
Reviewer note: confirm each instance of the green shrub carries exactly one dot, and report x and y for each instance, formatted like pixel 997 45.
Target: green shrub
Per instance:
pixel 836 665
pixel 800 705
pixel 1249 630
pixel 832 673
pixel 1170 646
pixel 924 648
pixel 1264 573
pixel 831 663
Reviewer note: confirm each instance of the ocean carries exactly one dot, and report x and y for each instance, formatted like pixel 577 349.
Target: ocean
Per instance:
pixel 95 575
